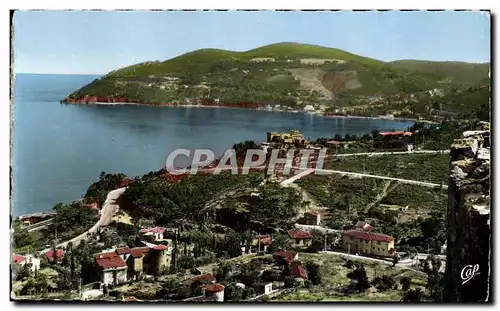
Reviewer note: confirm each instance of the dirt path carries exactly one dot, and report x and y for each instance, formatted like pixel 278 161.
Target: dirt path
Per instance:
pixel 385 191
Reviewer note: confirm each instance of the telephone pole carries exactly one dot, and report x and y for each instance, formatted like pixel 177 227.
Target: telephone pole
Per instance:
pixel 326 233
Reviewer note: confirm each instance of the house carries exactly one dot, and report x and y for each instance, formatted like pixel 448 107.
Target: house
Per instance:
pixel 297 271
pixel 310 218
pixel 139 261
pixel 193 285
pixel 27 259
pixel 261 242
pixel 283 257
pixel 364 226
pixel 135 262
pixel 56 256
pixel 152 234
pixel 214 291
pixel 112 267
pixel 264 288
pixel 300 238
pixel 123 252
pixel 367 242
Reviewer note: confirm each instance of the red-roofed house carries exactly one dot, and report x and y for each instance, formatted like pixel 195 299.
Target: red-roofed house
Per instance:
pixel 28 259
pixel 193 286
pixel 297 271
pixel 152 234
pixel 18 259
pixel 284 257
pixel 368 243
pixel 215 291
pixel 300 238
pixel 112 267
pixel 57 256
pixel 261 242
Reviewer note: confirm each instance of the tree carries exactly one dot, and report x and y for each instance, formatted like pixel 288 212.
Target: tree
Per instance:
pixel 224 271
pixel 359 276
pixel 280 241
pixel 405 283
pixel 384 283
pixel 24 272
pixel 431 266
pixel 250 273
pixel 171 289
pixel 232 292
pixel 413 295
pixel 349 264
pixel 313 272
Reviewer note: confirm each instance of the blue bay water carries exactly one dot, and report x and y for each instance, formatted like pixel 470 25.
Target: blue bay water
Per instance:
pixel 59 150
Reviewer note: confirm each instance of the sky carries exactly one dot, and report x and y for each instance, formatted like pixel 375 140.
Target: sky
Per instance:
pixel 96 42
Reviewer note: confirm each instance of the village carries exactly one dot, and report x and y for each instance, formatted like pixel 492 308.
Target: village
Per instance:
pixel 150 258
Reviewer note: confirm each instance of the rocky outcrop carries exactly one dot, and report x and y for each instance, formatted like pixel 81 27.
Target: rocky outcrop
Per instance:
pixel 92 99
pixel 467 277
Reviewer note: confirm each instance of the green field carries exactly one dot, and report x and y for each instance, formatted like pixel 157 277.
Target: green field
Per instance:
pixel 432 168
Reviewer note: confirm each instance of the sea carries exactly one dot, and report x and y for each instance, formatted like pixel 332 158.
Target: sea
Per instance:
pixel 60 149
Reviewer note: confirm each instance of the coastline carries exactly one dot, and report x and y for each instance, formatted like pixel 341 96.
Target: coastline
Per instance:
pixel 240 107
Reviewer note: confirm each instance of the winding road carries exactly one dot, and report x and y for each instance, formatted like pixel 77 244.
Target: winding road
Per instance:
pixel 370 154
pixel 109 209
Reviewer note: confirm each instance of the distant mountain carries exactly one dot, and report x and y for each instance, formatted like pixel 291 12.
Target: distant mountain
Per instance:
pixel 290 74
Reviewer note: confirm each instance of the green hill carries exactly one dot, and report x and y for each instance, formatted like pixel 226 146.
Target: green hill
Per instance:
pixel 460 72
pixel 291 74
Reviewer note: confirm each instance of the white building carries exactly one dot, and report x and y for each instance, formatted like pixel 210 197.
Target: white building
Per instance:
pixel 27 259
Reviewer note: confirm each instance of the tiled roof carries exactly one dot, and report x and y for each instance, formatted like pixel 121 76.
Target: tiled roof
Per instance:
pixel 264 240
pixel 213 288
pixel 139 251
pixel 299 234
pixel 123 250
pixel 297 271
pixel 285 254
pixel 130 299
pixel 50 254
pixel 109 260
pixel 105 255
pixel 156 247
pixel 17 258
pixel 160 247
pixel 369 236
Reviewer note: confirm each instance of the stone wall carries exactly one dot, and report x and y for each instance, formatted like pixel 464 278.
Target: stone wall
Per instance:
pixel 467 277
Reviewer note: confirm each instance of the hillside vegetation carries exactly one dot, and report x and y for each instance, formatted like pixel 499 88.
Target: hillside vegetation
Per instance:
pixel 290 74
